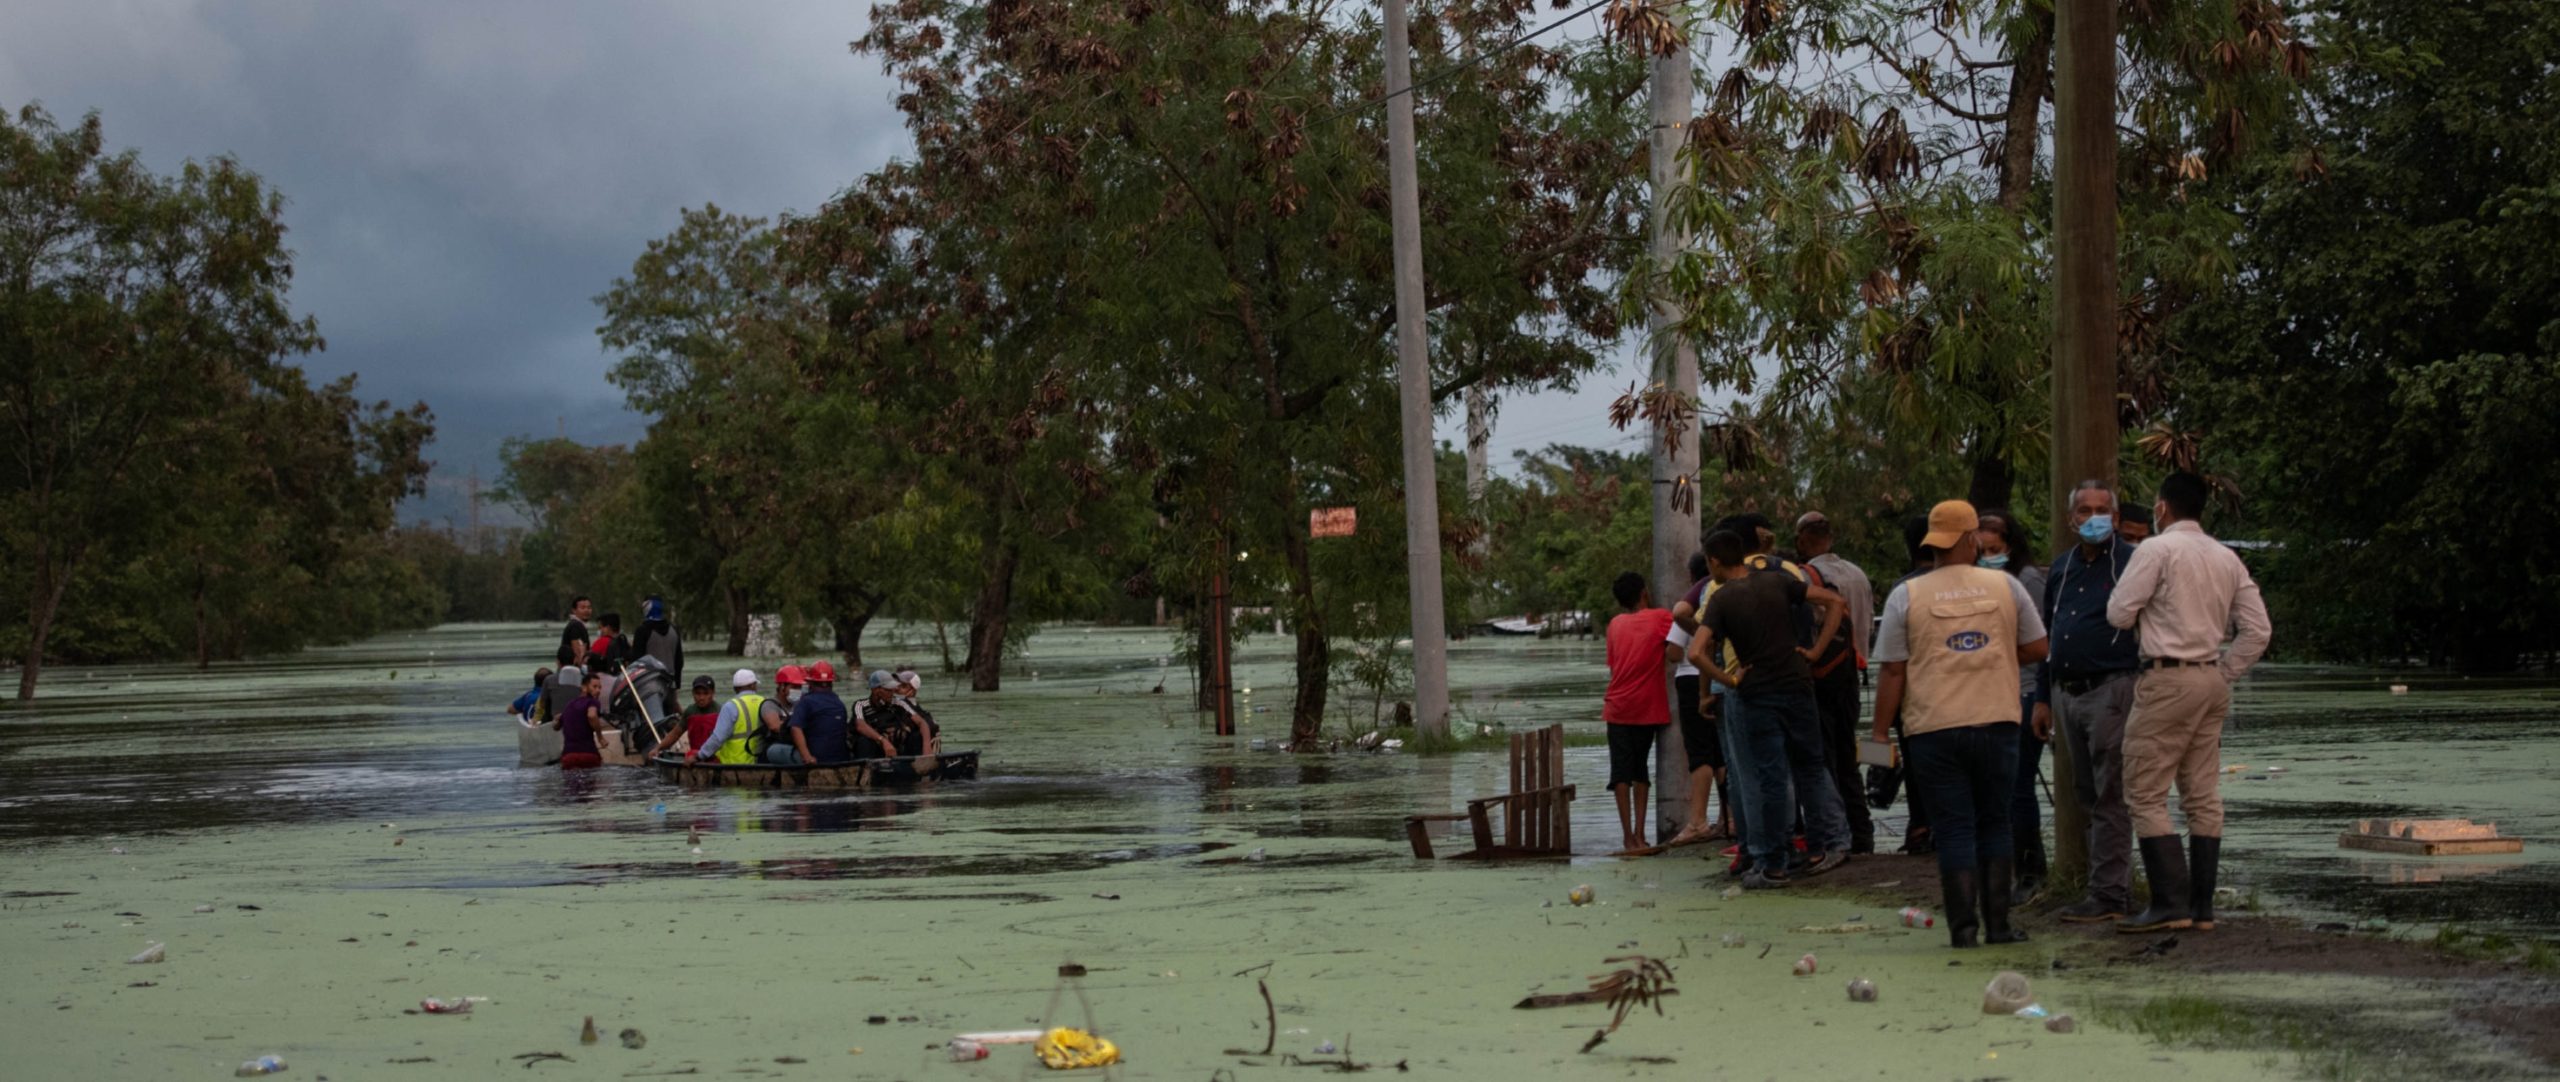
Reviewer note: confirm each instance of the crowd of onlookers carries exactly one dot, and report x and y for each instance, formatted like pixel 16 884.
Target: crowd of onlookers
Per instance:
pixel 611 686
pixel 1979 658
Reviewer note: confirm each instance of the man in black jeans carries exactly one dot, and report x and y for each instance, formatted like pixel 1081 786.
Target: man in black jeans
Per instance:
pixel 2087 692
pixel 1836 667
pixel 1951 643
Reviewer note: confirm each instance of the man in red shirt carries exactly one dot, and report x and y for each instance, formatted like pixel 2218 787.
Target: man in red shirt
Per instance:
pixel 1638 704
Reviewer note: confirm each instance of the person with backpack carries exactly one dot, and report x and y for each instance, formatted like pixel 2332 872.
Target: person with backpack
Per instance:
pixel 746 724
pixel 1780 737
pixel 659 638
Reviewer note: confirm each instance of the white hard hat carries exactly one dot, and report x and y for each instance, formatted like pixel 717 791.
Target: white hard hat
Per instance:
pixel 743 678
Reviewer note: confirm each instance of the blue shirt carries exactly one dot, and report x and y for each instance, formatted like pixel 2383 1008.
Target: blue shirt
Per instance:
pixel 524 704
pixel 2084 644
pixel 822 716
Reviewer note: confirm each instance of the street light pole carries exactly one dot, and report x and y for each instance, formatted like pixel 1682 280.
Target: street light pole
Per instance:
pixel 1413 354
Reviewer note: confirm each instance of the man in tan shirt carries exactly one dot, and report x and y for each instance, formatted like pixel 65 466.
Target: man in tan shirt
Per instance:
pixel 2182 592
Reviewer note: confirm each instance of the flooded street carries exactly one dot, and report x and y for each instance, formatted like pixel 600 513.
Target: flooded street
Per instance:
pixel 355 820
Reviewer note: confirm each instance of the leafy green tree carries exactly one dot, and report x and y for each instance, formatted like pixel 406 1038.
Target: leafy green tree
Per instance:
pixel 2382 391
pixel 138 312
pixel 1183 209
pixel 1870 213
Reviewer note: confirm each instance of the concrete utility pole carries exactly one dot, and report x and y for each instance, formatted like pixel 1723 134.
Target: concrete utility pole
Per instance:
pixel 1413 353
pixel 1675 365
pixel 2085 428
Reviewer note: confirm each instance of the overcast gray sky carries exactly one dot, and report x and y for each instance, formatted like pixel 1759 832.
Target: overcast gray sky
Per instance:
pixel 463 176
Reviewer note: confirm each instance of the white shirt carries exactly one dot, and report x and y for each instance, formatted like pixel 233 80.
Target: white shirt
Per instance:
pixel 1679 636
pixel 2182 591
pixel 1856 593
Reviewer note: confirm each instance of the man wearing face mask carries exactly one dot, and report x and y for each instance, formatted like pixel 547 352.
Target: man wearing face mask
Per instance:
pixel 2085 692
pixel 2182 593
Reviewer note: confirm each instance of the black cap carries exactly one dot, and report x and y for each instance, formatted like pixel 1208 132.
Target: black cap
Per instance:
pixel 703 683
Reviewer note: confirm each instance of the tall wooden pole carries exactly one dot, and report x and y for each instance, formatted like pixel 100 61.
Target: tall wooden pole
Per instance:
pixel 2085 429
pixel 1413 354
pixel 1675 365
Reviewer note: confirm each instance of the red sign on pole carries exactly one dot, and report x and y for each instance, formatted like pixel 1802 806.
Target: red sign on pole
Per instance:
pixel 1333 521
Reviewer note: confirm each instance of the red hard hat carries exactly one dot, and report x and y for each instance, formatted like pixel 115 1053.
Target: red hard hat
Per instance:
pixel 822 673
pixel 789 676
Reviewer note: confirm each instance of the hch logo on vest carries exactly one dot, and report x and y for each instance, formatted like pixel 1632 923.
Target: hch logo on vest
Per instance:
pixel 1966 642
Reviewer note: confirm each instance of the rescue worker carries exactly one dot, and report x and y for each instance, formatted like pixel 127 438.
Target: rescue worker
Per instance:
pixel 742 725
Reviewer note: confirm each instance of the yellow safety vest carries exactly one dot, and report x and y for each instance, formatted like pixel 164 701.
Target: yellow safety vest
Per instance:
pixel 750 719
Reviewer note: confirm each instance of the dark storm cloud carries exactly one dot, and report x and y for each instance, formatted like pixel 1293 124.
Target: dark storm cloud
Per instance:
pixel 462 177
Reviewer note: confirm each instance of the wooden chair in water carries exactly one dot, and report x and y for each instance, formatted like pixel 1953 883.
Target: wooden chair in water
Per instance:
pixel 1537 814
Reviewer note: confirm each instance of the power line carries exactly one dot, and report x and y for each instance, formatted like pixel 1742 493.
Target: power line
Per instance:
pixel 1453 69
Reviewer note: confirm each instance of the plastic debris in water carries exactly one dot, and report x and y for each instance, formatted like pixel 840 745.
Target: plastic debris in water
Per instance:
pixel 151 955
pixel 587 1033
pixel 658 809
pixel 634 1039
pixel 964 1050
pixel 1734 939
pixel 261 1065
pixel 1734 891
pixel 2032 1011
pixel 2061 1023
pixel 2006 993
pixel 1326 1049
pixel 457 1005
pixel 1805 966
pixel 1581 895
pixel 1257 854
pixel 1862 990
pixel 1916 917
pixel 204 909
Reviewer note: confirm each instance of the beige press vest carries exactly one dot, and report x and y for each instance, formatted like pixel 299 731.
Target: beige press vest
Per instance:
pixel 1963 633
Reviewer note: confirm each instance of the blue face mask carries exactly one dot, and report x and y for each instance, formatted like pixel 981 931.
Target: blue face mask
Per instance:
pixel 1994 562
pixel 2098 528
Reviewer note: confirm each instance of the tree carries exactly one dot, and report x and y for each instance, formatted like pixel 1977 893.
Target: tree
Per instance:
pixel 2382 390
pixel 1183 206
pixel 1870 214
pixel 134 309
pixel 708 330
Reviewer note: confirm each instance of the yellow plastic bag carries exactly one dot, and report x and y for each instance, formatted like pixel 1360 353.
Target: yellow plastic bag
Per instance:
pixel 1064 1049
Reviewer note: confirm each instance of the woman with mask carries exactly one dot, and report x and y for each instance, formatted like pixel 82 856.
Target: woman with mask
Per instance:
pixel 2004 548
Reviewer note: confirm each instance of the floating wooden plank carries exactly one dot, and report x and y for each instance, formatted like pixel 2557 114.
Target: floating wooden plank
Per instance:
pixel 2424 848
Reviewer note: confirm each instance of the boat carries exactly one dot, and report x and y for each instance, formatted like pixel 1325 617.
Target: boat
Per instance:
pixel 858 774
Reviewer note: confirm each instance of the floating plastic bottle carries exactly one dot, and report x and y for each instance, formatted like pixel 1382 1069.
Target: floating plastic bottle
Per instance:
pixel 1915 917
pixel 2032 1012
pixel 1805 966
pixel 260 1066
pixel 1862 990
pixel 964 1050
pixel 1581 895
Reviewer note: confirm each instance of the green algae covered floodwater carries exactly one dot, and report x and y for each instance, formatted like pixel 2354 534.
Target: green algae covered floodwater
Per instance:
pixel 356 823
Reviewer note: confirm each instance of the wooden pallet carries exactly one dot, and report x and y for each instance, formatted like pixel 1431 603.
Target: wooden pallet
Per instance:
pixel 2425 848
pixel 2428 837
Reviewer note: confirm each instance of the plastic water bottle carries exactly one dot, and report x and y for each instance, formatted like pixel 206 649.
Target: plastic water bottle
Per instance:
pixel 261 1065
pixel 964 1050
pixel 1915 917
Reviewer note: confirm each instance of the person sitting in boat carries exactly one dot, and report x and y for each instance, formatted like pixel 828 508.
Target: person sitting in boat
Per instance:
pixel 564 684
pixel 523 709
pixel 821 728
pixel 929 729
pixel 882 714
pixel 699 719
pixel 788 682
pixel 582 724
pixel 747 723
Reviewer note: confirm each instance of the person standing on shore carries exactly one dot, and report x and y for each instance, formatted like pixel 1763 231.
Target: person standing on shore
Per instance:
pixel 1836 668
pixel 1755 611
pixel 1697 709
pixel 2004 545
pixel 2086 692
pixel 1951 644
pixel 2133 523
pixel 2182 592
pixel 1636 708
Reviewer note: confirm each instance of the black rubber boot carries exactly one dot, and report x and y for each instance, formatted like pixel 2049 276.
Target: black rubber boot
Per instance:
pixel 1996 872
pixel 1957 890
pixel 2030 871
pixel 2204 865
pixel 2164 862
